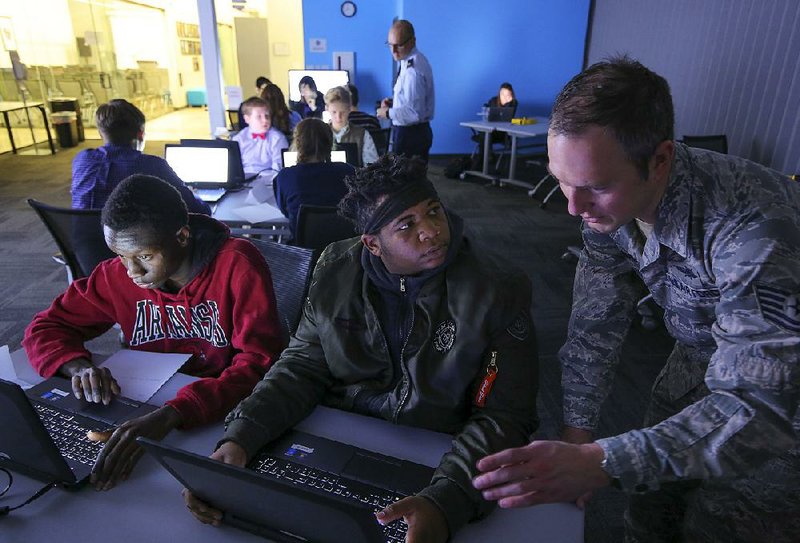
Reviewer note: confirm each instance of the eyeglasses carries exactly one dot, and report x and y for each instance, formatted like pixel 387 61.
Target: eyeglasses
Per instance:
pixel 399 45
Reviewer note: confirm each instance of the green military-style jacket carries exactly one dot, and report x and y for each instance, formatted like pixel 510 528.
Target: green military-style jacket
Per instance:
pixel 476 312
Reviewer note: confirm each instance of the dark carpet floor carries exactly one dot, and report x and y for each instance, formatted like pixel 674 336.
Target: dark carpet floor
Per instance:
pixel 502 218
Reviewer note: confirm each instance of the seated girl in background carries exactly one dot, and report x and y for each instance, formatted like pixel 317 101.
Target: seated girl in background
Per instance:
pixel 505 98
pixel 315 180
pixel 260 143
pixel 311 103
pixel 283 118
pixel 338 103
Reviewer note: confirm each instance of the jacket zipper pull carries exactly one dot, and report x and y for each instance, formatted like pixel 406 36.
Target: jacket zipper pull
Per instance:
pixel 488 381
pixel 402 284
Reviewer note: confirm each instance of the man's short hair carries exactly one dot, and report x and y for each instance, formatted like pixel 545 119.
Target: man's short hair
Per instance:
pixel 405 28
pixel 368 186
pixel 353 94
pixel 119 121
pixel 252 103
pixel 621 94
pixel 313 141
pixel 338 94
pixel 145 201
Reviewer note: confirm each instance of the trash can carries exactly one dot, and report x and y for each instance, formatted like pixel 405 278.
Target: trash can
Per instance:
pixel 66 103
pixel 65 124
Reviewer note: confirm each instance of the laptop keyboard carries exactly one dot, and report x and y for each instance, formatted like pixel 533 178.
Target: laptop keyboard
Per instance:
pixel 365 494
pixel 69 435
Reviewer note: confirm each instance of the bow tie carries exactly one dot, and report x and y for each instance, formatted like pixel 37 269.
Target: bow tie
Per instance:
pixel 260 136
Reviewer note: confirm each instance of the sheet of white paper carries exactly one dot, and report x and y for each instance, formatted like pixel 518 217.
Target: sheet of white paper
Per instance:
pixel 140 374
pixel 260 193
pixel 259 213
pixel 24 370
pixel 14 367
pixel 7 372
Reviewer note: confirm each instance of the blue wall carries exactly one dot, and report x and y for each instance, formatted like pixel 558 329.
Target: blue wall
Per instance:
pixel 537 45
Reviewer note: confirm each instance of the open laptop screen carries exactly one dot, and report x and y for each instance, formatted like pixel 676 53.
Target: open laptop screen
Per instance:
pixel 290 157
pixel 198 165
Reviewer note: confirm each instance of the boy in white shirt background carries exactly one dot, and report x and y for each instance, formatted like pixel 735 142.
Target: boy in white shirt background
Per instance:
pixel 260 143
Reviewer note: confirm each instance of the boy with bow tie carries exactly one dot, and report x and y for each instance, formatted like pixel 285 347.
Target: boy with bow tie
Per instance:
pixel 260 143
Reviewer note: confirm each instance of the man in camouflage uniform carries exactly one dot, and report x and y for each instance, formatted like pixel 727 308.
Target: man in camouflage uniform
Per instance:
pixel 716 240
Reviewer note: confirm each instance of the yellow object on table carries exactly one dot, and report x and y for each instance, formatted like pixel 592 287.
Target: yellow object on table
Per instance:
pixel 523 120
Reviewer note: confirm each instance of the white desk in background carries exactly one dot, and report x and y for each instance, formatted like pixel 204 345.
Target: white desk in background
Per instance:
pixel 516 131
pixel 253 210
pixel 149 506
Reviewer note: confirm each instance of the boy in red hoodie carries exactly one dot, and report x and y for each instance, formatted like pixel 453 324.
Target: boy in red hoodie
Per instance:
pixel 181 284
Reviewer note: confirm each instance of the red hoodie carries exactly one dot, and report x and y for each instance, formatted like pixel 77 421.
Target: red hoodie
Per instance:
pixel 226 316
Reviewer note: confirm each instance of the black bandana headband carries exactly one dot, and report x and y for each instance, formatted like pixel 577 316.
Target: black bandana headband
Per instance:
pixel 409 195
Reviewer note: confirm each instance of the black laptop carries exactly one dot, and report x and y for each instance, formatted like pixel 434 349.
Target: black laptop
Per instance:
pixel 206 167
pixel 302 487
pixel 236 174
pixel 500 114
pixel 43 430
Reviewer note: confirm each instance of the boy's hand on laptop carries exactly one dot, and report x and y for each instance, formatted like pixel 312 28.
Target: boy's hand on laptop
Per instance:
pixel 121 452
pixel 90 382
pixel 426 523
pixel 228 453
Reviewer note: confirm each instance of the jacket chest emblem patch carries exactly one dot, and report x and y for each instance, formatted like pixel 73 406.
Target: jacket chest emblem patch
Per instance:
pixel 520 328
pixel 444 336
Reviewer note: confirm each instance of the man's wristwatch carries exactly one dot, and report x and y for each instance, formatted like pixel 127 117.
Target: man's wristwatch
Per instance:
pixel 604 466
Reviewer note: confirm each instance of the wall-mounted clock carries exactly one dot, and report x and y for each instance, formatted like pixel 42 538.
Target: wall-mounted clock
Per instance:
pixel 348 8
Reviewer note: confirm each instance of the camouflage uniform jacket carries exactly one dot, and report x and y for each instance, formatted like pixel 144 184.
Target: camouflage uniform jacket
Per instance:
pixel 724 262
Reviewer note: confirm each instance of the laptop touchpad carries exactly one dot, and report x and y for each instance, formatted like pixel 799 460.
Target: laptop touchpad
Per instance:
pixel 381 472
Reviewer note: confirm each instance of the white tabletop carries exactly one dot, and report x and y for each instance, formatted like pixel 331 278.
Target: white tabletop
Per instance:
pixel 149 507
pixel 521 130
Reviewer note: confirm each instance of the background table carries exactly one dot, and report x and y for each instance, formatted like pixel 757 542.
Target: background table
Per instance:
pixel 516 131
pixel 7 107
pixel 224 210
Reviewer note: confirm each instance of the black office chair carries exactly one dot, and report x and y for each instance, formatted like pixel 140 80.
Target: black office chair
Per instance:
pixel 78 235
pixel 718 143
pixel 291 269
pixel 319 226
pixel 381 139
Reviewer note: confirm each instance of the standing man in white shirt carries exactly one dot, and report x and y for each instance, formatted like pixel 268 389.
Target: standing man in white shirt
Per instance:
pixel 411 107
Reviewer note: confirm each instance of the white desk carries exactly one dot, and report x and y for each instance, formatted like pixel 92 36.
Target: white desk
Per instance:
pixel 259 192
pixel 149 507
pixel 516 131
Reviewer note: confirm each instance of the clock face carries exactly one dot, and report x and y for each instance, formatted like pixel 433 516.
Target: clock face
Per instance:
pixel 348 8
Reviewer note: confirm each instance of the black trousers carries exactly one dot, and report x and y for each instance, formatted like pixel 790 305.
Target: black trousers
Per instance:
pixel 414 140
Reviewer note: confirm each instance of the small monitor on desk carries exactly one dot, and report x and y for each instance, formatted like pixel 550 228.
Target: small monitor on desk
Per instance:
pixel 323 79
pixel 290 157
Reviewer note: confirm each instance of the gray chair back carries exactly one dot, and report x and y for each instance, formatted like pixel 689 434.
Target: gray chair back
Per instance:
pixel 718 143
pixel 78 235
pixel 318 226
pixel 291 269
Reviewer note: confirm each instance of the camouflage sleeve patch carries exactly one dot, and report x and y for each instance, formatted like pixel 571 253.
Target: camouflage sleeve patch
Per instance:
pixel 779 306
